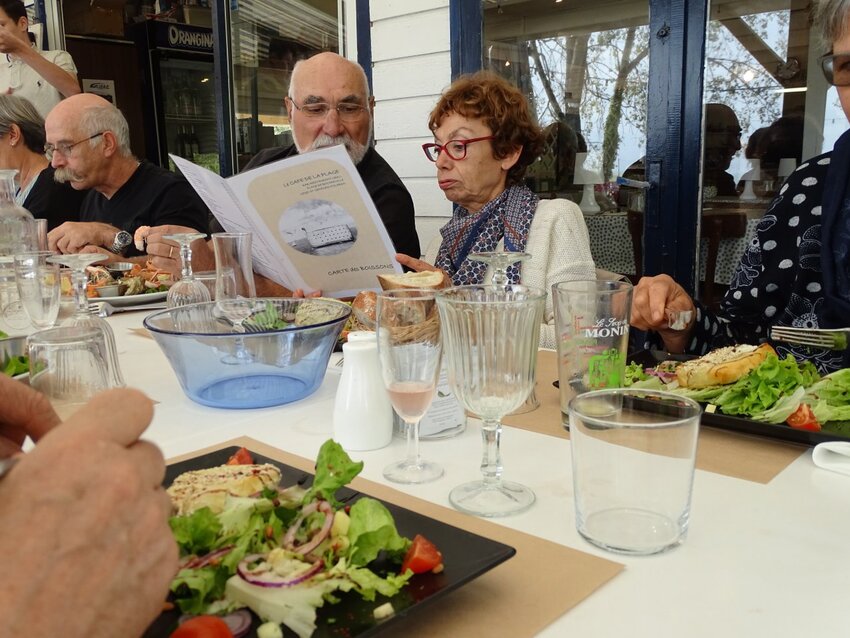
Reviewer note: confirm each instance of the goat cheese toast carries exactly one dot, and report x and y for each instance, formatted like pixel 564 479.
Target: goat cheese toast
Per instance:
pixel 210 487
pixel 722 366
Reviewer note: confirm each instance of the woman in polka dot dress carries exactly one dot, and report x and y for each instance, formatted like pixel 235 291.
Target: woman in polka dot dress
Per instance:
pixel 484 139
pixel 796 270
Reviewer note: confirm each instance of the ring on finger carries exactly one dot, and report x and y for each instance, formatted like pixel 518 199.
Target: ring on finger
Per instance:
pixel 170 251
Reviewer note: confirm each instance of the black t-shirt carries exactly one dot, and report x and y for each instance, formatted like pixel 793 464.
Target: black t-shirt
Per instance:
pixel 55 202
pixel 394 204
pixel 152 196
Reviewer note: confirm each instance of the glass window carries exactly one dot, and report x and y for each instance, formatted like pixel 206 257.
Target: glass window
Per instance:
pixel 267 39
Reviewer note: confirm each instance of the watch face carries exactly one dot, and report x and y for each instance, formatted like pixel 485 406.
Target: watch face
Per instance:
pixel 123 238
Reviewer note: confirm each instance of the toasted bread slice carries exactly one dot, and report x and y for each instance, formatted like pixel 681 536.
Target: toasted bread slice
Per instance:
pixel 210 487
pixel 722 366
pixel 432 279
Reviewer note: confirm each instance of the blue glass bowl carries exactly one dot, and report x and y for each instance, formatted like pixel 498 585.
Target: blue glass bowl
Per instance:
pixel 281 356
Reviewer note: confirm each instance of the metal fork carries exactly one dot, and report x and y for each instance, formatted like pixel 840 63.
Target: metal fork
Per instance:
pixel 826 338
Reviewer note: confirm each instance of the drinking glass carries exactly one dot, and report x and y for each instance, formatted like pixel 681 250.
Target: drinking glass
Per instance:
pixel 499 262
pixel 82 315
pixel 41 234
pixel 491 336
pixel 69 365
pixel 38 287
pixel 410 349
pixel 234 286
pixel 187 289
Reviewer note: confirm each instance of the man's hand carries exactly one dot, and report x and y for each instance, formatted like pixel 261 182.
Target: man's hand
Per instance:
pixel 651 299
pixel 10 41
pixel 25 412
pixel 72 237
pixel 85 512
pixel 165 254
pixel 419 265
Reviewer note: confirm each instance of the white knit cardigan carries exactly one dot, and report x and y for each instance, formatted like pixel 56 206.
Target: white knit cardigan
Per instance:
pixel 560 251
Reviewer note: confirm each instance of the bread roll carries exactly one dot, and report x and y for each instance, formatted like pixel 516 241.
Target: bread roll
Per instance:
pixel 363 310
pixel 722 366
pixel 432 279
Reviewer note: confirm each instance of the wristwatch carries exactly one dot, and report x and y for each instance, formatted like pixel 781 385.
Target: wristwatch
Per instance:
pixel 121 241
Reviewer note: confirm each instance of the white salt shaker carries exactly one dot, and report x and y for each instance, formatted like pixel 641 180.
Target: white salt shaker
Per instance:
pixel 363 414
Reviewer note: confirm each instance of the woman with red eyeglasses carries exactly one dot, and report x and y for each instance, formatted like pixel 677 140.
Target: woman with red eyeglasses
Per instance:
pixel 484 139
pixel 796 269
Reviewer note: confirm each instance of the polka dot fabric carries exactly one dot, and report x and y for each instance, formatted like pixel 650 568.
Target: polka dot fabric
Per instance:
pixel 778 280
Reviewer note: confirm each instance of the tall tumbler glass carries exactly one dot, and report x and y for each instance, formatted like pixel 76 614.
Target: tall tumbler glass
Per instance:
pixel 38 287
pixel 592 323
pixel 490 338
pixel 234 286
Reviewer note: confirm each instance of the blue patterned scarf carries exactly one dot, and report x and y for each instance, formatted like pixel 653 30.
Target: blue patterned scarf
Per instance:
pixel 508 216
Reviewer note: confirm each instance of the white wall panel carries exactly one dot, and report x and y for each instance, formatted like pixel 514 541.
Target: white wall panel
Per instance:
pixel 408 118
pixel 430 200
pixel 383 9
pixel 406 157
pixel 428 228
pixel 410 77
pixel 411 35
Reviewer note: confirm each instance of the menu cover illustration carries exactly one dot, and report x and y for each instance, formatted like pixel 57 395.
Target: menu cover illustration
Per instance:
pixel 314 225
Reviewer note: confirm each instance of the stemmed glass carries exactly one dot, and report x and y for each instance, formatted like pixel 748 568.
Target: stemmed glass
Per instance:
pixel 491 336
pixel 410 349
pixel 38 287
pixel 187 290
pixel 234 286
pixel 82 316
pixel 499 261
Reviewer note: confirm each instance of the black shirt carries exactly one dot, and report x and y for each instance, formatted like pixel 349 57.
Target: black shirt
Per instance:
pixel 152 196
pixel 55 202
pixel 394 204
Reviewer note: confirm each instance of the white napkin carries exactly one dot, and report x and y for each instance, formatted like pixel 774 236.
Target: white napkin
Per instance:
pixel 833 455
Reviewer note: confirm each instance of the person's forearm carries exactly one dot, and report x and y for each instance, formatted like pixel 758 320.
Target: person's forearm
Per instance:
pixel 63 81
pixel 268 288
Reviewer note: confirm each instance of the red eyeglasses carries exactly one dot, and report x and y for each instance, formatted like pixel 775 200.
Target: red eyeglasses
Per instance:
pixel 456 149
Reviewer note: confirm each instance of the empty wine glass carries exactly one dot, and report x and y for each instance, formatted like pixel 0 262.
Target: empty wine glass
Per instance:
pixel 410 349
pixel 491 336
pixel 499 262
pixel 82 316
pixel 38 287
pixel 187 289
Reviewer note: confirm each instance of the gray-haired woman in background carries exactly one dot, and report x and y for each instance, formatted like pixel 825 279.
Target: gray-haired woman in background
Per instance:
pixel 22 149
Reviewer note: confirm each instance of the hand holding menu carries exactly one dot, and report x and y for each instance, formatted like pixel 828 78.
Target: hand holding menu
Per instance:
pixel 314 225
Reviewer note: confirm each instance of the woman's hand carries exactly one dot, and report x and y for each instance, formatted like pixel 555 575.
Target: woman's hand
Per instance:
pixel 652 298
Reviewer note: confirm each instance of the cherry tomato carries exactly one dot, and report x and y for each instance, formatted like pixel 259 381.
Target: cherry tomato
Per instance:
pixel 423 556
pixel 241 457
pixel 203 627
pixel 804 419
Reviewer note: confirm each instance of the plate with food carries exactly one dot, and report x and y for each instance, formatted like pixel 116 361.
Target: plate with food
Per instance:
pixel 135 286
pixel 267 545
pixel 751 389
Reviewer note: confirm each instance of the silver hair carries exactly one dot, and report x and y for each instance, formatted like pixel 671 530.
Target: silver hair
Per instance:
pixel 360 71
pixel 831 19
pixel 96 119
pixel 20 111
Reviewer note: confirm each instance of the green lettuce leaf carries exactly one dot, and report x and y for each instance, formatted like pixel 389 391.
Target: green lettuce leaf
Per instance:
pixel 634 373
pixel 765 385
pixel 334 469
pixel 196 533
pixel 370 531
pixel 194 587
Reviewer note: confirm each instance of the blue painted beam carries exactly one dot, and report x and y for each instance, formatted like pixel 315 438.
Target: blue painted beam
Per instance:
pixel 466 27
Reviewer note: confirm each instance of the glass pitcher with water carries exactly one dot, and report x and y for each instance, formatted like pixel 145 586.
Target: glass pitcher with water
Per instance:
pixel 18 234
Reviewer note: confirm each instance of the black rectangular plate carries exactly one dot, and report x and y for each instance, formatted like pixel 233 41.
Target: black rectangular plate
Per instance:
pixel 465 556
pixel 651 358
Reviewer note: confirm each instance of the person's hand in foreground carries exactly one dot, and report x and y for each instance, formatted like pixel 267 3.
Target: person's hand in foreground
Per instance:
pixel 652 298
pixel 87 550
pixel 25 412
pixel 164 254
pixel 71 237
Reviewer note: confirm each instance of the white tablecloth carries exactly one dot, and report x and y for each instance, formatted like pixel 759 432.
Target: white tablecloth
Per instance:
pixel 611 247
pixel 760 560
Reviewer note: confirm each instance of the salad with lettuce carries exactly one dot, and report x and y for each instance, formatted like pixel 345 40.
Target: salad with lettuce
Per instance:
pixel 777 391
pixel 285 552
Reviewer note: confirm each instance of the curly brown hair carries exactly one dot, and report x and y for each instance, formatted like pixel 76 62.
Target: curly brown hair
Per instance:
pixel 503 108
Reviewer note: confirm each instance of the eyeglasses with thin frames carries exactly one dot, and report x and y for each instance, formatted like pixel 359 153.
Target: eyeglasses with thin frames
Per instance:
pixel 836 68
pixel 455 149
pixel 65 148
pixel 347 111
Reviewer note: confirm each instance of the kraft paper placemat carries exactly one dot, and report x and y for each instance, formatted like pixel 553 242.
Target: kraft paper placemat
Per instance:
pixel 723 452
pixel 518 598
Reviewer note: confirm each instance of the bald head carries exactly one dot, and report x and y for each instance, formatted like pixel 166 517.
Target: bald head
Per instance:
pixel 86 114
pixel 328 78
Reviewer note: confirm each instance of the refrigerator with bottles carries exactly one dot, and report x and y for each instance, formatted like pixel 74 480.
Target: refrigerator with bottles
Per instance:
pixel 179 92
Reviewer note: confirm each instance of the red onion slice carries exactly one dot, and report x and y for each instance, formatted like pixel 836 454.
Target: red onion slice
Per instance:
pixel 203 561
pixel 239 622
pixel 318 537
pixel 267 577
